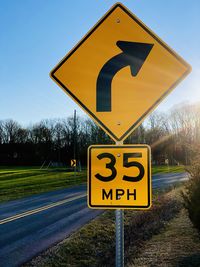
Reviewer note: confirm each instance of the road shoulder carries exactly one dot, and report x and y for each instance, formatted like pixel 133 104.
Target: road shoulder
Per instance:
pixel 94 244
pixel 177 245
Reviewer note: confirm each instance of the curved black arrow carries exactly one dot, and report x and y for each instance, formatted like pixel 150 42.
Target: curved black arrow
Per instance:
pixel 133 55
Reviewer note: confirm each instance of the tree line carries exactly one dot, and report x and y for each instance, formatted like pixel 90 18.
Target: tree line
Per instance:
pixel 173 136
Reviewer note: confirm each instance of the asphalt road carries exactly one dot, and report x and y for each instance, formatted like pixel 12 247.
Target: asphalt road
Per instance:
pixel 31 225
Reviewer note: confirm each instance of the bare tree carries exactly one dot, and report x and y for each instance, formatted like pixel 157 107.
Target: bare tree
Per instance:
pixel 11 130
pixel 1 132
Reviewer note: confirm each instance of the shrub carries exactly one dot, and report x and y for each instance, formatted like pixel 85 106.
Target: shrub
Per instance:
pixel 191 194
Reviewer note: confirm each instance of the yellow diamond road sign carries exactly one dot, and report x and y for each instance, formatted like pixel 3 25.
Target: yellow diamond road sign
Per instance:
pixel 119 72
pixel 119 177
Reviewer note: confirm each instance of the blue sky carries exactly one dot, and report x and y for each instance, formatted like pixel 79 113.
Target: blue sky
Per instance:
pixel 36 35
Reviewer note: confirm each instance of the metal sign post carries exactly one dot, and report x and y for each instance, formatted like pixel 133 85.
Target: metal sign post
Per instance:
pixel 119 228
pixel 74 137
pixel 119 233
pixel 147 71
pixel 119 177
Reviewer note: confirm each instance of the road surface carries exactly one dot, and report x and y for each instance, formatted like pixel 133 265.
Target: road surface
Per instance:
pixel 30 225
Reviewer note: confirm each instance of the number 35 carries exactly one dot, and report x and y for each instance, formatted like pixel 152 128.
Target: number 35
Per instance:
pixel 126 163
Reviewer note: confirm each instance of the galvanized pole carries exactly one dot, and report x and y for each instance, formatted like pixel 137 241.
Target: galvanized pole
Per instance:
pixel 74 140
pixel 119 226
pixel 119 232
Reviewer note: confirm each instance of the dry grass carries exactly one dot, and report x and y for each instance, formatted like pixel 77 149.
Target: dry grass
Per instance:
pixel 177 245
pixel 94 244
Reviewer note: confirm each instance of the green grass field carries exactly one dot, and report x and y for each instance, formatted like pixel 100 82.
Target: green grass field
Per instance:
pixel 23 181
pixel 166 169
pixel 17 182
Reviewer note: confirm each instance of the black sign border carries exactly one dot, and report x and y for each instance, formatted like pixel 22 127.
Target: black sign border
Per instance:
pixel 119 206
pixel 125 135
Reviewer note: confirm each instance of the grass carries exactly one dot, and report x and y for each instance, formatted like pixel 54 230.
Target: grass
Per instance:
pixel 166 169
pixel 20 182
pixel 17 182
pixel 94 244
pixel 162 236
pixel 177 245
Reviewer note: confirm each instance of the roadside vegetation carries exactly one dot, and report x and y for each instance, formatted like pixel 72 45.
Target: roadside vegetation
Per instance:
pixel 23 181
pixel 94 244
pixel 53 143
pixel 17 182
pixel 167 169
pixel 191 194
pixel 170 136
pixel 177 245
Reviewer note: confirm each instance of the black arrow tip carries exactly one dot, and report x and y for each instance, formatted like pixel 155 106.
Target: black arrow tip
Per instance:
pixel 136 53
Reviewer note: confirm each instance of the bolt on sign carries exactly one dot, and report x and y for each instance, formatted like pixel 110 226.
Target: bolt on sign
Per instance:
pixel 119 176
pixel 119 72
